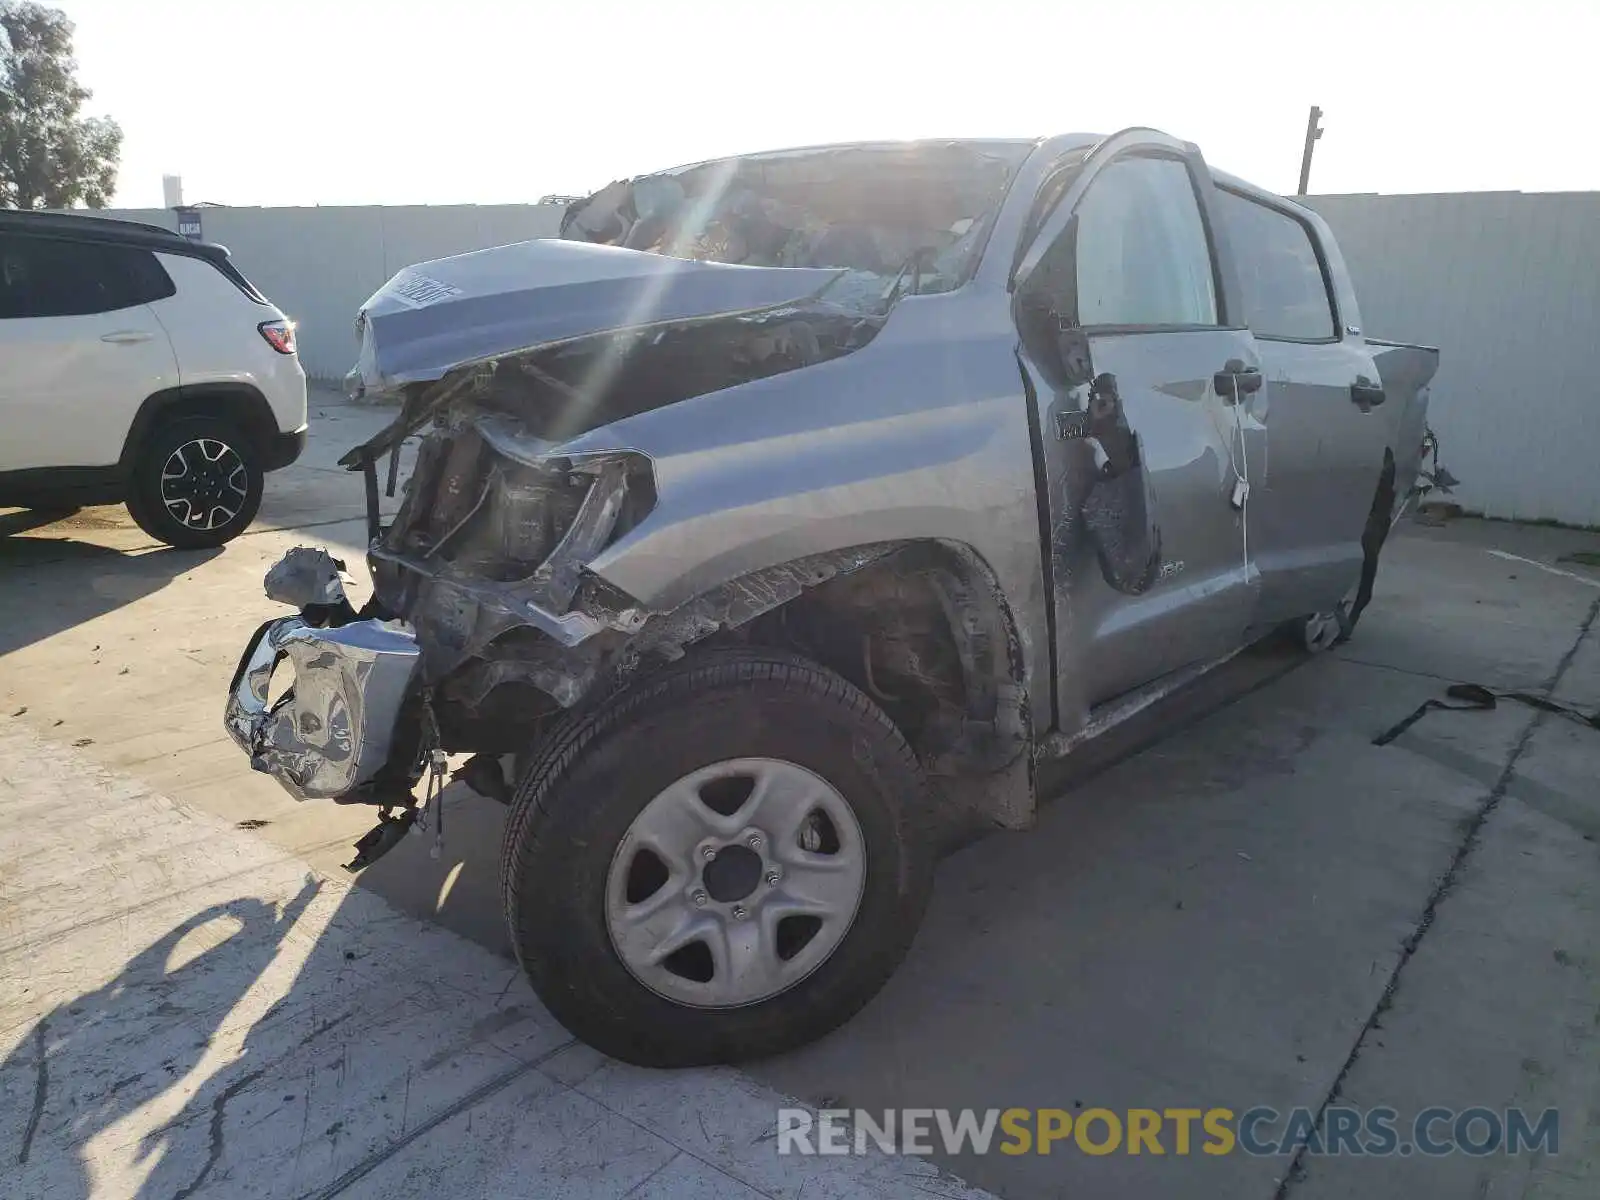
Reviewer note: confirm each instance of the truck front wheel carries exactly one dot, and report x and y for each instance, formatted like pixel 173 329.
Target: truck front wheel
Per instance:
pixel 723 862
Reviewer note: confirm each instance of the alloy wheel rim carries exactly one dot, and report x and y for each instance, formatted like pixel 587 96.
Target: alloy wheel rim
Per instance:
pixel 204 484
pixel 735 882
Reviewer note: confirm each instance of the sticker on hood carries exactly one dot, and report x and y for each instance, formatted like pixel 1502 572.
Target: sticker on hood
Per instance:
pixel 417 290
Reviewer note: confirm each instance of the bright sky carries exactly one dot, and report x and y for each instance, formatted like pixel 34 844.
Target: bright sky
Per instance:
pixel 474 101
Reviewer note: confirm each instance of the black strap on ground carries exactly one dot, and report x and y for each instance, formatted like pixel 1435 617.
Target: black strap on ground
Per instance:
pixel 1476 697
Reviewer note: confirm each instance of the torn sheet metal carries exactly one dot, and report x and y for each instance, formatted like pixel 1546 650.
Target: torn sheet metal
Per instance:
pixel 306 576
pixel 566 672
pixel 331 730
pixel 1407 372
pixel 436 316
pixel 485 545
pixel 1118 511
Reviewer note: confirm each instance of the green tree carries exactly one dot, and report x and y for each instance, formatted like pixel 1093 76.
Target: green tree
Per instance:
pixel 50 157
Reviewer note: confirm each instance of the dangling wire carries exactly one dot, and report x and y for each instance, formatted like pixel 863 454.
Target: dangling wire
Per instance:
pixel 437 765
pixel 1242 476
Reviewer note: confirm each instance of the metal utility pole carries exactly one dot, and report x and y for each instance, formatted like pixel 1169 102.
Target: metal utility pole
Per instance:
pixel 1313 132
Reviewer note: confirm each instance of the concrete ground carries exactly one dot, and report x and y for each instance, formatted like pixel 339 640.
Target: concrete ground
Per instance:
pixel 1236 901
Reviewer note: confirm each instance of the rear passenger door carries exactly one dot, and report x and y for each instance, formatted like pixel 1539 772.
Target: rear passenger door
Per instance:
pixel 1321 409
pixel 1126 328
pixel 80 348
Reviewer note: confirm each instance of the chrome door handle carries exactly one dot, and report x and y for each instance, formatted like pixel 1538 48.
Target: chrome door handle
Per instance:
pixel 125 337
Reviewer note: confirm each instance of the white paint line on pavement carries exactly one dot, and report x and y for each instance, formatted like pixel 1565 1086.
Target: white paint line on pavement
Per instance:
pixel 1546 567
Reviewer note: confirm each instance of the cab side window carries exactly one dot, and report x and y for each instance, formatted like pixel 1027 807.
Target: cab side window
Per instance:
pixel 1285 290
pixel 1143 257
pixel 50 277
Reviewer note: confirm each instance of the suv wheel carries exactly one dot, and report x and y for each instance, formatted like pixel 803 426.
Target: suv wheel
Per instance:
pixel 196 484
pixel 723 862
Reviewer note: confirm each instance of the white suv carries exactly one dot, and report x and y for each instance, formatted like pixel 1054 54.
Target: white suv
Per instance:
pixel 139 367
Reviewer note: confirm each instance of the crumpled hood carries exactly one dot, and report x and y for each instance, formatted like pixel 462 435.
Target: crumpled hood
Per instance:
pixel 437 315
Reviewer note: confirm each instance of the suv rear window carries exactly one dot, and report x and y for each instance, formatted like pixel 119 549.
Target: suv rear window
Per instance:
pixel 53 277
pixel 1285 291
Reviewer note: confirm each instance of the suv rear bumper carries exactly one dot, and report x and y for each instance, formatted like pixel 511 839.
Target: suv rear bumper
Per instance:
pixel 283 449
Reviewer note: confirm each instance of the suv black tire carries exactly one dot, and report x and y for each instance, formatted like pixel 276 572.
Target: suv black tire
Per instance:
pixel 589 781
pixel 215 497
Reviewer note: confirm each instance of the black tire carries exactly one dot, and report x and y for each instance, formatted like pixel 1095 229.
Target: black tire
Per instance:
pixel 216 499
pixel 592 778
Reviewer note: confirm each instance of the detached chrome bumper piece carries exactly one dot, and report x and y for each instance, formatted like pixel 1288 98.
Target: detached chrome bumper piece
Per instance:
pixel 330 731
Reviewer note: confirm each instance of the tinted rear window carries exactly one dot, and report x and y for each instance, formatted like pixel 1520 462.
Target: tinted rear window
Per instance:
pixel 52 277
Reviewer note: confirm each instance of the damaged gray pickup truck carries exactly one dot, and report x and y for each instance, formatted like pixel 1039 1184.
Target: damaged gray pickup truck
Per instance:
pixel 787 508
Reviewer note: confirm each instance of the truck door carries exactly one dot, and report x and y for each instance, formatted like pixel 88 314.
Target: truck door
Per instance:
pixel 1322 409
pixel 1127 316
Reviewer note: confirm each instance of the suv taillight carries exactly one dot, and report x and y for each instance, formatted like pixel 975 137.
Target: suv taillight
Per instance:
pixel 279 335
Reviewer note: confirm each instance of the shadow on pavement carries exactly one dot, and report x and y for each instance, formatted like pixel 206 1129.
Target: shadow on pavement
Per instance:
pixel 138 1040
pixel 23 519
pixel 460 890
pixel 48 585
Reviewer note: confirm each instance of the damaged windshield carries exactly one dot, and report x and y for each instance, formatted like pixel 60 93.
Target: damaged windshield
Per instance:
pixel 907 216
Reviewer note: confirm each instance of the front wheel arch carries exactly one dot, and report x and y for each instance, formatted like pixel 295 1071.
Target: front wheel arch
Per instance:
pixel 241 405
pixel 925 628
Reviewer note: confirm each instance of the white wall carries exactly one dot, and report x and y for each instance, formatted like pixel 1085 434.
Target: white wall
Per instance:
pixel 320 264
pixel 1507 285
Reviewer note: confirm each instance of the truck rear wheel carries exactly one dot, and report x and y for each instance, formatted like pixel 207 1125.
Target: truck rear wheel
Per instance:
pixel 723 862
